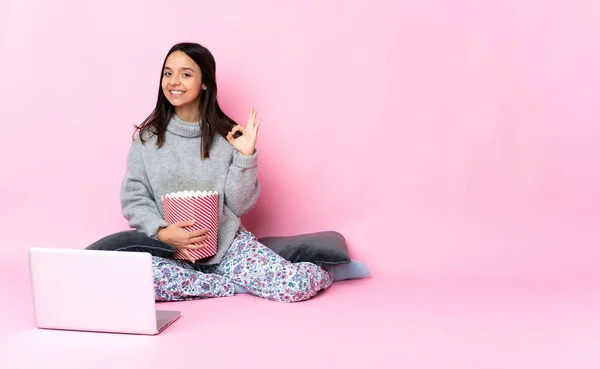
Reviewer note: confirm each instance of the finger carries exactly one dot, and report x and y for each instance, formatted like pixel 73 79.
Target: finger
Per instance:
pixel 198 240
pixel 256 126
pixel 237 128
pixel 187 255
pixel 251 117
pixel 196 247
pixel 192 246
pixel 198 233
pixel 185 223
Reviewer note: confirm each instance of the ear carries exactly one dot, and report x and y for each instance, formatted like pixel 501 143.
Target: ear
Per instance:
pixel 204 87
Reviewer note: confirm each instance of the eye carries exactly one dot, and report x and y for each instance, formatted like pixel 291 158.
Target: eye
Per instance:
pixel 166 74
pixel 187 75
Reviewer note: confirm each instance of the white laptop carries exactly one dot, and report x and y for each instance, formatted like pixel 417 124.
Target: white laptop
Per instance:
pixel 96 291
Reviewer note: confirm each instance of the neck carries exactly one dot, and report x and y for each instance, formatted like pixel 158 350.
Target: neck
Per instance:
pixel 188 113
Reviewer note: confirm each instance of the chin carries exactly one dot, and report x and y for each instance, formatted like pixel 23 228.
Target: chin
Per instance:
pixel 176 103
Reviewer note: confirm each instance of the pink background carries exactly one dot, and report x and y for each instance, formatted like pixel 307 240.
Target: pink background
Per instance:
pixel 445 139
pixel 455 143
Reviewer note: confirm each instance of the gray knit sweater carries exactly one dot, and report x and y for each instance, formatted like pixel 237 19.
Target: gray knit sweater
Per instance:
pixel 153 172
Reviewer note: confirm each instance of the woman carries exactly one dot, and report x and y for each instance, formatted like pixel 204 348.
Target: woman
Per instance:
pixel 188 143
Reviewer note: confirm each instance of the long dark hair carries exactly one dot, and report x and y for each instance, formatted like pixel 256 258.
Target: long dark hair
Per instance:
pixel 212 117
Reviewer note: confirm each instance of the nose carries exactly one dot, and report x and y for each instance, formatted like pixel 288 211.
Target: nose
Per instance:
pixel 174 81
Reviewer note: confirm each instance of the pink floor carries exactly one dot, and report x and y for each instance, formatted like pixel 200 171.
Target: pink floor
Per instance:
pixel 373 323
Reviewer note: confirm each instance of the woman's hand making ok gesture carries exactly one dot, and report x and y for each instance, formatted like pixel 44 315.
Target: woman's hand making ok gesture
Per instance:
pixel 245 144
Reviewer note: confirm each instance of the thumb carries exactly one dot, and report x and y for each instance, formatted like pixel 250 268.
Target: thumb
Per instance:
pixel 230 138
pixel 185 223
pixel 187 255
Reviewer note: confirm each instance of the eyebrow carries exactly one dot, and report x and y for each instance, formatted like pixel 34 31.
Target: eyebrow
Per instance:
pixel 184 68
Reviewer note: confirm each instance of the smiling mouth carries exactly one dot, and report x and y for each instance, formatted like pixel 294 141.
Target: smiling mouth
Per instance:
pixel 176 93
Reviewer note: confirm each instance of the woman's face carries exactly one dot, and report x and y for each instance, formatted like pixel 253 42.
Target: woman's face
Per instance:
pixel 182 80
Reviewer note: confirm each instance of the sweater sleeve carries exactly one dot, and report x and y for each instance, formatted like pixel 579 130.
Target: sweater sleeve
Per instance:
pixel 137 202
pixel 241 185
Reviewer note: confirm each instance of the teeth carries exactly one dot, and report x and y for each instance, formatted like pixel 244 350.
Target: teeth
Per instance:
pixel 176 92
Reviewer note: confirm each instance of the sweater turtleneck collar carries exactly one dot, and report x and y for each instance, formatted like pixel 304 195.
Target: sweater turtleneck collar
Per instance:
pixel 182 128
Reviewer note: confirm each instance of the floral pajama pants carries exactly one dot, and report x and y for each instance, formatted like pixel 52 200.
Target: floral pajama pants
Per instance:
pixel 247 263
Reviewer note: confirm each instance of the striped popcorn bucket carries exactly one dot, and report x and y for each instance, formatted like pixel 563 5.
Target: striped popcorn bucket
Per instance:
pixel 199 206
